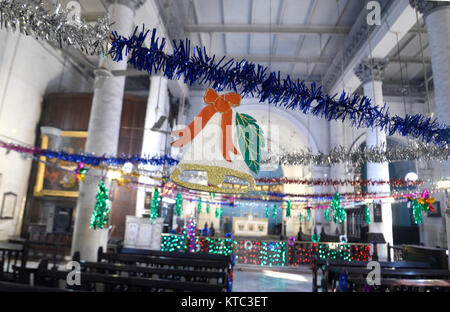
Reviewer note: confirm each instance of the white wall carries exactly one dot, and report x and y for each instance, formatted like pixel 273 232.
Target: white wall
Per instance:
pixel 28 70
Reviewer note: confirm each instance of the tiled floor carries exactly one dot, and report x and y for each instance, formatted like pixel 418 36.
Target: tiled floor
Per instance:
pixel 265 279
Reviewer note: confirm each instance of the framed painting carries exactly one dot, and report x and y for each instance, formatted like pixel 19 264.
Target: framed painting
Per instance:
pixel 55 177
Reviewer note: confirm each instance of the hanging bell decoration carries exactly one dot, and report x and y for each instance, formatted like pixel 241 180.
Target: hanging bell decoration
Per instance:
pixel 212 153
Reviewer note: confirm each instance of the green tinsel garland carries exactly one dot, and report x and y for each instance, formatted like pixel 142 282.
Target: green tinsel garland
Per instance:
pixel 308 216
pixel 288 209
pixel 207 208
pixel 367 215
pixel 154 205
pixel 300 216
pixel 274 211
pixel 338 212
pixel 327 215
pixel 199 206
pixel 217 212
pixel 178 204
pixel 101 211
pixel 267 211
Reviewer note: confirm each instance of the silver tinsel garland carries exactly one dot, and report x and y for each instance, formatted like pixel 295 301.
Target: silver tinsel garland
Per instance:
pixel 376 154
pixel 54 26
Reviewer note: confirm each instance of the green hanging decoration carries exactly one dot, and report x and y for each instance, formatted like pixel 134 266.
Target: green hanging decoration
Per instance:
pixel 221 211
pixel 154 205
pixel 178 204
pixel 207 208
pixel 217 212
pixel 367 214
pixel 417 211
pixel 327 215
pixel 250 138
pixel 267 211
pixel 199 205
pixel 300 216
pixel 274 212
pixel 101 211
pixel 338 212
pixel 288 209
pixel 308 216
pixel 212 195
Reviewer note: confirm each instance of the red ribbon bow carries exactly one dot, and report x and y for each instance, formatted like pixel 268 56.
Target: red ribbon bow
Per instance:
pixel 216 104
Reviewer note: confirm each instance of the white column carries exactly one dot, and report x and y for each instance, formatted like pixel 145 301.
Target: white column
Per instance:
pixel 370 72
pixel 153 142
pixel 437 20
pixel 103 137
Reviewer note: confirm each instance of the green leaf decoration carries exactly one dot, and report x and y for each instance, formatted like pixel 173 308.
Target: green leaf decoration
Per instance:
pixel 250 138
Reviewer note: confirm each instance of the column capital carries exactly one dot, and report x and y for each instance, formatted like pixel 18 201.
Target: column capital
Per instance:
pixel 427 6
pixel 371 69
pixel 132 4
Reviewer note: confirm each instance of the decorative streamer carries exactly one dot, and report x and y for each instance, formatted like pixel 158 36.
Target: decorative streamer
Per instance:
pixel 376 154
pixel 101 211
pixel 337 182
pixel 267 211
pixel 55 26
pixel 308 214
pixel 300 217
pixel 92 160
pixel 327 215
pixel 217 212
pixel 254 80
pixel 207 208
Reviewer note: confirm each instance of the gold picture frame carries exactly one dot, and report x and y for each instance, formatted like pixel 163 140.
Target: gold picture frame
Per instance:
pixel 39 189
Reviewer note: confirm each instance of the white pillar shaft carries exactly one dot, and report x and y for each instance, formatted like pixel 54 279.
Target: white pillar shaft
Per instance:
pixel 379 171
pixel 438 29
pixel 153 142
pixel 103 137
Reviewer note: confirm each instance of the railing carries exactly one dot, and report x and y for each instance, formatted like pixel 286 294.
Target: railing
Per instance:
pixel 397 251
pixel 269 252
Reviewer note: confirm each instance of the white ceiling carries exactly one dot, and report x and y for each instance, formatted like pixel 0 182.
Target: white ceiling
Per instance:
pixel 264 31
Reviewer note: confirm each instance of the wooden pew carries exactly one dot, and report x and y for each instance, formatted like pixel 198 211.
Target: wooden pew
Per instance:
pixel 115 283
pixel 169 261
pixel 158 253
pixel 164 260
pixel 206 277
pixel 16 287
pixel 357 272
pixel 10 255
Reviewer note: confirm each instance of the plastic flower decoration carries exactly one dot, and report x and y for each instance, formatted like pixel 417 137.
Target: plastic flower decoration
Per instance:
pixel 425 199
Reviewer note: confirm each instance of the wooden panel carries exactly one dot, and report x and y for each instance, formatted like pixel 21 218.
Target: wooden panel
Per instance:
pixel 70 111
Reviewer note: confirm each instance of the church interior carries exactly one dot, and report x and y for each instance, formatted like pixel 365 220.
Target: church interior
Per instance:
pixel 224 146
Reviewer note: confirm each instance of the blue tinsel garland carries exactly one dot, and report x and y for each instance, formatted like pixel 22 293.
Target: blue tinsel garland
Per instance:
pixel 254 79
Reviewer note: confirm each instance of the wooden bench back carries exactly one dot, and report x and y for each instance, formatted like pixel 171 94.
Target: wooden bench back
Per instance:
pixel 113 283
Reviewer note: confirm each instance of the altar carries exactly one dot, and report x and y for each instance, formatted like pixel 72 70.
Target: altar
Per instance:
pixel 250 226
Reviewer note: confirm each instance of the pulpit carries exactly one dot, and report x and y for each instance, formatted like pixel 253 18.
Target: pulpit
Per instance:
pixel 143 233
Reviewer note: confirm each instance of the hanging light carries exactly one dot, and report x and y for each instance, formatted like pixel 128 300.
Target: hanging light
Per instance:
pixel 411 176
